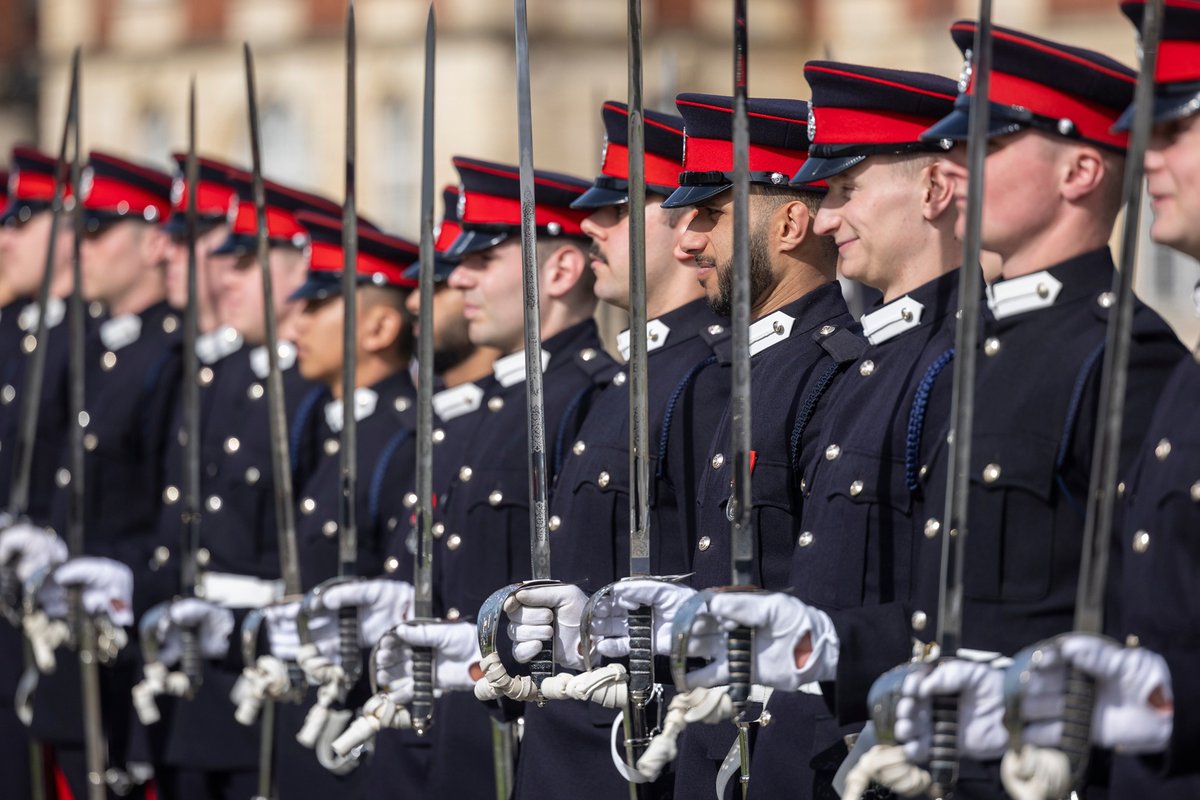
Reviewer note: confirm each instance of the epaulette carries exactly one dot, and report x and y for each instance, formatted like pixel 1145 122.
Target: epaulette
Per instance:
pixel 597 365
pixel 842 344
pixel 715 334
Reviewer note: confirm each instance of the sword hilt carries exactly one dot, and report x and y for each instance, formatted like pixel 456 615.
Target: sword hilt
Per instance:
pixel 421 711
pixel 741 655
pixel 641 655
pixel 943 753
pixel 1080 701
pixel 542 668
pixel 191 663
pixel 348 643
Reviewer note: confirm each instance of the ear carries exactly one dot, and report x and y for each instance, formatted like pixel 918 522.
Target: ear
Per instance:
pixel 562 271
pixel 380 327
pixel 1083 172
pixel 937 189
pixel 155 245
pixel 792 225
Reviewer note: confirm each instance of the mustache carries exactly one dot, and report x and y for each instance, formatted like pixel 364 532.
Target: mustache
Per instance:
pixel 595 253
pixel 705 261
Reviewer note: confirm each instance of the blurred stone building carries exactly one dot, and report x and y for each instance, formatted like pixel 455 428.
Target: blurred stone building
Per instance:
pixel 139 54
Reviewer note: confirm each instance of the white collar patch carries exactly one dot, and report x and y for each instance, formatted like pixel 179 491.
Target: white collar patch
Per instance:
pixel 897 317
pixel 1027 293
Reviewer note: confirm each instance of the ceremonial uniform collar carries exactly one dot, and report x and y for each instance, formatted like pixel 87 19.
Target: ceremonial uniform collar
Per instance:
pixel 56 311
pixel 889 321
pixel 1087 277
pixel 258 359
pixel 657 332
pixel 366 400
pixel 1031 292
pixel 770 330
pixel 119 332
pixel 510 370
pixel 681 323
pixel 457 401
pixel 215 345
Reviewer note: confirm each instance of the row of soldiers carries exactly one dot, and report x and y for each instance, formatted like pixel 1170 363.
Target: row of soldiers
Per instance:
pixel 849 460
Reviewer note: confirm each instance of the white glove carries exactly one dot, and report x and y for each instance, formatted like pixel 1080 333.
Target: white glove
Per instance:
pixel 544 613
pixel 213 625
pixel 383 605
pixel 610 619
pixel 1126 678
pixel 30 549
pixel 784 628
pixel 284 636
pixel 979 687
pixel 455 655
pixel 107 589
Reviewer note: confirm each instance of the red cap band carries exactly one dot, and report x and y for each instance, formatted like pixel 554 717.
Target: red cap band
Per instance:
pixel 1178 62
pixel 103 193
pixel 487 209
pixel 280 224
pixel 716 155
pixel 660 171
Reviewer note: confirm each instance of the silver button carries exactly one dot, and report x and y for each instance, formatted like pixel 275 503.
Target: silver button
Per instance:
pixel 588 353
pixel 1141 542
pixel 391 564
pixel 453 541
pixel 919 620
pixel 856 488
pixel 554 523
pixel 255 391
pixel 232 445
pixel 401 404
pixel 827 329
pixel 161 556
pixel 392 523
pixel 252 475
pixel 619 379
pixel 1121 489
pixel 205 376
pixel 1105 300
pixel 62 477
pixel 439 528
pixel 464 474
pixel 213 503
pixel 95 309
pixel 866 368
pixel 923 471
pixel 171 495
pixel 170 323
pixel 85 419
pixel 453 614
pixel 932 528
pixel 332 446
pixel 1132 640
pixel 805 539
pixel 439 436
pixel 704 543
pixel 718 461
pixel 1043 291
pixel 308 505
pixel 410 500
pixel 8 394
pixel 713 330
pixel 906 315
pixel 496 497
pixel 991 346
pixel 1162 449
pixel 108 360
pixel 329 529
pixel 90 442
pixel 578 447
pixel 803 485
pixel 1196 492
pixel 832 452
pixel 203 556
pixel 495 404
pixel 991 473
pixel 28 343
pixel 603 479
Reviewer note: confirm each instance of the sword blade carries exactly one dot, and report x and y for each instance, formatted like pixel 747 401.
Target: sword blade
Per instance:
pixel 191 366
pixel 538 535
pixel 289 558
pixel 1097 529
pixel 347 452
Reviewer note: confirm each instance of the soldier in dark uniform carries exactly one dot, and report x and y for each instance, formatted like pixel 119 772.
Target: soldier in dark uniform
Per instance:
pixel 589 514
pixel 127 402
pixel 211 754
pixel 24 239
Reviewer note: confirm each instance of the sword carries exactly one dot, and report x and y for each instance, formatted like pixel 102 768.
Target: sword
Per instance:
pixel 421 711
pixel 1097 529
pixel 82 625
pixel 285 520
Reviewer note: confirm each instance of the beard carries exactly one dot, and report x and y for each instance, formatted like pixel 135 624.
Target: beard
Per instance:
pixel 761 279
pixel 453 348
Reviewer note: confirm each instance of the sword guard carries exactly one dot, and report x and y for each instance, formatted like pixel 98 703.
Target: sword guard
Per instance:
pixel 488 625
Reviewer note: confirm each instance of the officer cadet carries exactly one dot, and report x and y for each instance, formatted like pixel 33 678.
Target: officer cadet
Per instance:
pixel 126 402
pixel 24 237
pixel 1052 191
pixel 238 558
pixel 1147 696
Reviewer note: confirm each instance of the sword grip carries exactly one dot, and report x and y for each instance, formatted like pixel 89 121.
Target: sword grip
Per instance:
pixel 943 755
pixel 1077 723
pixel 422 702
pixel 641 655
pixel 542 668
pixel 741 644
pixel 190 661
pixel 298 682
pixel 348 643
